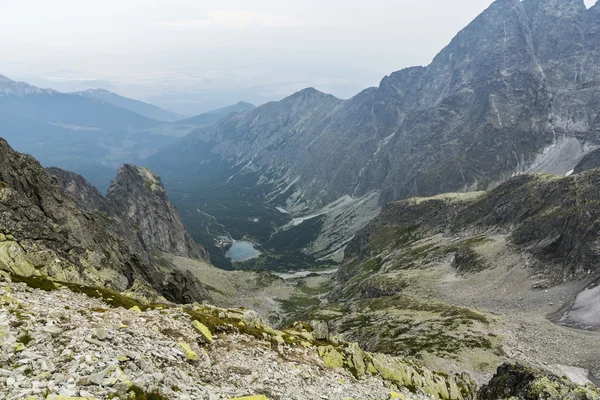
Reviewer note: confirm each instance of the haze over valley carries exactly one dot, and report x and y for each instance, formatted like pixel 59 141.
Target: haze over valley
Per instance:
pixel 393 200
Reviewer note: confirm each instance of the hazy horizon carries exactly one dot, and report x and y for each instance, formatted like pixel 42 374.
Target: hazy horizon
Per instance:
pixel 189 56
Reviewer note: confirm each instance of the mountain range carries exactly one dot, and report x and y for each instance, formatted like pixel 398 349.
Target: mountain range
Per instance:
pixel 435 237
pixel 515 91
pixel 91 132
pixel 147 110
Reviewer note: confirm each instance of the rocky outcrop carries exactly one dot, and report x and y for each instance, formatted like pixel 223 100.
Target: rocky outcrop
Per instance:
pixel 45 232
pixel 138 195
pixel 516 381
pixel 138 208
pixel 590 161
pixel 71 235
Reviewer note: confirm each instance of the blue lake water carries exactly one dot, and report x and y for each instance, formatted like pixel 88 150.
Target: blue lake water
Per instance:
pixel 242 251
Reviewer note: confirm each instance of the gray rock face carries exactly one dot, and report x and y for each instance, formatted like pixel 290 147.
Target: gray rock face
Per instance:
pixel 590 161
pixel 81 191
pixel 520 77
pixel 137 209
pixel 138 195
pixel 47 233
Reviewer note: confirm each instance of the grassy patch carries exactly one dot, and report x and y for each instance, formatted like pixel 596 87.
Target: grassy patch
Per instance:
pixel 112 297
pixel 25 338
pixel 406 303
pixel 137 393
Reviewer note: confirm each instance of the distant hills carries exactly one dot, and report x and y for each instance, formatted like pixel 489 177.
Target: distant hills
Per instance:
pixel 91 132
pixel 210 117
pixel 145 109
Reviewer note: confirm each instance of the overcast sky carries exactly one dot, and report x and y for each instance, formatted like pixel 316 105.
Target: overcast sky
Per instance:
pixel 171 51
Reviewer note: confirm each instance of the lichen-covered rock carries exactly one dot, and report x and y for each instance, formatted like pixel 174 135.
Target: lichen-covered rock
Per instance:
pixel 200 327
pixel 190 354
pixel 320 329
pixel 400 372
pixel 255 397
pixel 516 381
pixel 331 357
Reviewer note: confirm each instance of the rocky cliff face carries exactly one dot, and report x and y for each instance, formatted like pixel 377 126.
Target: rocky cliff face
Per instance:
pixel 45 232
pixel 76 235
pixel 138 195
pixel 515 91
pixel 590 161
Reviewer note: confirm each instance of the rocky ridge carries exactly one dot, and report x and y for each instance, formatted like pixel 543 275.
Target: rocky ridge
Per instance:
pixel 46 233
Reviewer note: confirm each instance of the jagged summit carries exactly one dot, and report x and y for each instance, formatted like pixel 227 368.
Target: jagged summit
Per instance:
pixel 138 194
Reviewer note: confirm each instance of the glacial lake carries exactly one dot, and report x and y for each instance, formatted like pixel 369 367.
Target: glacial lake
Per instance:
pixel 242 251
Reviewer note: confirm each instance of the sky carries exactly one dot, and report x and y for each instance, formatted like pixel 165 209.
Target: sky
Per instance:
pixel 191 55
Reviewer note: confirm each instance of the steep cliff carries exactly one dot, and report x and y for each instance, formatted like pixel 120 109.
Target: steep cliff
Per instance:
pixel 76 235
pixel 45 232
pixel 138 195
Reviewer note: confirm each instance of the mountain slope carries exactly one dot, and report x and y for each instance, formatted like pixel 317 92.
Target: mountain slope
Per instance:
pixel 145 109
pixel 515 91
pixel 477 277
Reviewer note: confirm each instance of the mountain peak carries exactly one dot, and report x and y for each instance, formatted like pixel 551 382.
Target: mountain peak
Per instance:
pixel 245 104
pixel 139 194
pixel 4 79
pixel 95 92
pixel 309 93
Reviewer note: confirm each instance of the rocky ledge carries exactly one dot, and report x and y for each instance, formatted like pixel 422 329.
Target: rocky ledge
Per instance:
pixel 59 344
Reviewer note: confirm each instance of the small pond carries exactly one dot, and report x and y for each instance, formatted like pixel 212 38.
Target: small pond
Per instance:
pixel 242 251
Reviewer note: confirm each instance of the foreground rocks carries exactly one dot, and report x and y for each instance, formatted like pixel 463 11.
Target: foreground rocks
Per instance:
pixel 58 343
pixel 519 382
